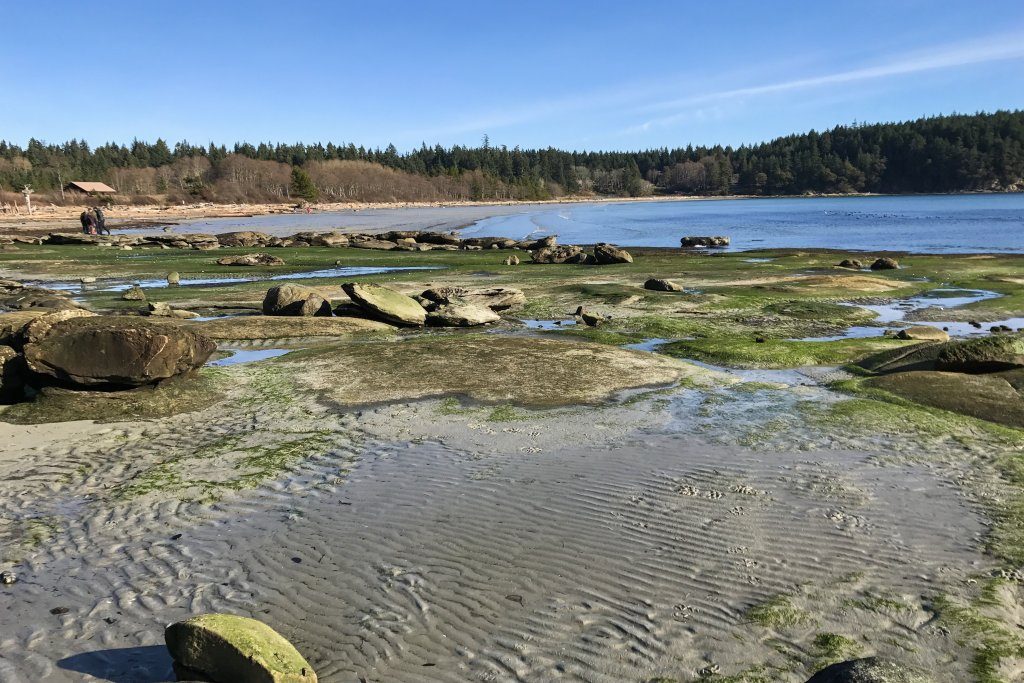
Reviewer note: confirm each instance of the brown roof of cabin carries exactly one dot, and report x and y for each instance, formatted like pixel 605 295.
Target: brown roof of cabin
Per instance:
pixel 86 186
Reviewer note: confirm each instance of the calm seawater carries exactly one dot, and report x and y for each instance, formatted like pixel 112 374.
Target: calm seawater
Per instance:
pixel 924 224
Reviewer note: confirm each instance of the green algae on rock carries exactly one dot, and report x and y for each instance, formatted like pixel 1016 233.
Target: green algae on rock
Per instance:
pixel 386 303
pixel 229 648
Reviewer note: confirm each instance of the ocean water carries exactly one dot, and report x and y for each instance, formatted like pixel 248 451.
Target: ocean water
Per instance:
pixel 924 224
pixel 920 223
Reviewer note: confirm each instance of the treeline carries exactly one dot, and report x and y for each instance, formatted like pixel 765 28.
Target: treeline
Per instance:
pixel 980 152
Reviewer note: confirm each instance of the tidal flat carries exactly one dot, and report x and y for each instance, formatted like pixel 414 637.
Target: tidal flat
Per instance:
pixel 710 484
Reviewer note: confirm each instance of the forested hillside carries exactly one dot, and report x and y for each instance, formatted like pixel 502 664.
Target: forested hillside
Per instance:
pixel 980 152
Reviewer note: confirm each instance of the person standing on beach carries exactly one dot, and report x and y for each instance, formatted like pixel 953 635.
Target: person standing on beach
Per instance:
pixel 101 221
pixel 86 219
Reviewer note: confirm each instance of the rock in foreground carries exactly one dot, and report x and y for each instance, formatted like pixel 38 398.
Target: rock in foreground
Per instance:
pixel 869 670
pixel 387 304
pixel 126 351
pixel 923 333
pixel 295 300
pixel 605 254
pixel 229 649
pixel 987 354
pixel 461 314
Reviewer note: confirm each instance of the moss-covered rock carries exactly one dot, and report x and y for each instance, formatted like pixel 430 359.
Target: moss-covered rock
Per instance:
pixel 903 358
pixel 386 303
pixel 987 354
pixel 228 649
pixel 923 333
pixel 987 397
pixel 869 670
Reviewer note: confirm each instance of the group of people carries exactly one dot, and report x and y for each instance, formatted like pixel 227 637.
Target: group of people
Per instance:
pixel 94 222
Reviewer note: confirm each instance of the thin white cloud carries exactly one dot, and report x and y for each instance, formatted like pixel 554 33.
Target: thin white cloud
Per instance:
pixel 1002 48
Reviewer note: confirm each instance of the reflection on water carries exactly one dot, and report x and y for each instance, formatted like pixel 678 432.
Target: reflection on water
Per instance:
pixel 239 356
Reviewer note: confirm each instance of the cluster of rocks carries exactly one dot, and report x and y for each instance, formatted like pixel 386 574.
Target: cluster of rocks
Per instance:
pixel 439 306
pixel 982 377
pixel 75 348
pixel 603 254
pixel 704 242
pixel 226 648
pixel 884 263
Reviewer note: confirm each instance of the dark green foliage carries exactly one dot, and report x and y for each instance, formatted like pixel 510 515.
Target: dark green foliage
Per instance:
pixel 302 185
pixel 938 154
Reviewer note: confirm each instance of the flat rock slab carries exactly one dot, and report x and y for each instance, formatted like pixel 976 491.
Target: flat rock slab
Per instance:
pixel 386 303
pixel 986 397
pixel 252 327
pixel 526 371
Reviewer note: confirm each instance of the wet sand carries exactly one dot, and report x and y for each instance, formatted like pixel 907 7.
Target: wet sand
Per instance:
pixel 422 542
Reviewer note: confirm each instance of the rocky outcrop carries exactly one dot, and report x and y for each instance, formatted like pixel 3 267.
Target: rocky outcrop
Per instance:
pixel 923 333
pixel 183 240
pixel 563 254
pixel 244 238
pixel 461 314
pixel 659 285
pixel 885 263
pixel 548 242
pixel 494 298
pixel 295 300
pixel 134 293
pixel 124 351
pixel 704 242
pixel 852 264
pixel 228 648
pixel 40 326
pixel 328 238
pixel 993 397
pixel 17 297
pixel 386 304
pixel 161 309
pixel 987 354
pixel 384 245
pixel 869 670
pixel 605 254
pixel 250 260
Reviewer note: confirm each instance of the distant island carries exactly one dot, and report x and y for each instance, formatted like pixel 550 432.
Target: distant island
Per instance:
pixel 982 152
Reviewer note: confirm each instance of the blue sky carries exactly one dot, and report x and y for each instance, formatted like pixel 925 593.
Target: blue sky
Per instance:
pixel 579 75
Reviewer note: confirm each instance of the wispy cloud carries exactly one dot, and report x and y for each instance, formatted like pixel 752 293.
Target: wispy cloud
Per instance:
pixel 1001 48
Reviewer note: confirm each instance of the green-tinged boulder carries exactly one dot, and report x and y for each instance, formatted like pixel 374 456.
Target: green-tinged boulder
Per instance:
pixel 250 260
pixel 494 298
pixel 986 354
pixel 923 333
pixel 387 304
pixel 295 300
pixel 902 359
pixel 233 649
pixel 869 670
pixel 991 397
pixel 125 351
pixel 134 293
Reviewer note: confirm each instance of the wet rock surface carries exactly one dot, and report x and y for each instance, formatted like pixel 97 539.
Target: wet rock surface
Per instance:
pixel 295 300
pixel 387 304
pixel 869 670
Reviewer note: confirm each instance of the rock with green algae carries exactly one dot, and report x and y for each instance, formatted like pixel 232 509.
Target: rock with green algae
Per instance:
pixel 987 354
pixel 387 304
pixel 869 670
pixel 923 333
pixel 227 648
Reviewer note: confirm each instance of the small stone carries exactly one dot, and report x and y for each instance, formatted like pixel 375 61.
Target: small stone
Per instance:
pixel 57 611
pixel 88 280
pixel 173 278
pixel 134 293
pixel 8 577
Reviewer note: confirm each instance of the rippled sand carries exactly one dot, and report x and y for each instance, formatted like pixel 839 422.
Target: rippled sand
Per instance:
pixel 432 541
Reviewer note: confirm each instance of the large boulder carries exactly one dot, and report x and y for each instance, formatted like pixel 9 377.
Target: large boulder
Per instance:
pixel 659 285
pixel 461 314
pixel 902 359
pixel 494 298
pixel 250 260
pixel 76 238
pixel 440 238
pixel 885 263
pixel 869 670
pixel 226 648
pixel 115 350
pixel 986 354
pixel 40 325
pixel 12 375
pixel 923 333
pixel 243 238
pixel 176 240
pixel 704 242
pixel 490 242
pixel 606 254
pixel 290 299
pixel 852 264
pixel 387 304
pixel 993 397
pixel 543 243
pixel 568 253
